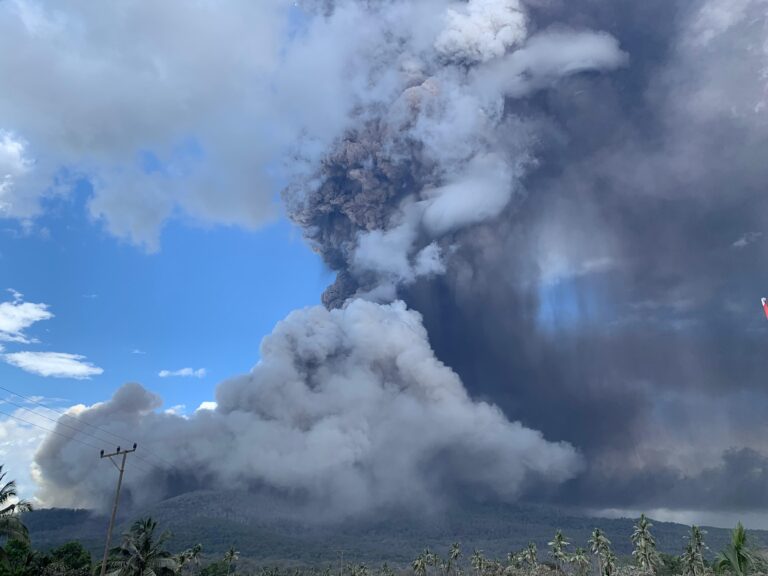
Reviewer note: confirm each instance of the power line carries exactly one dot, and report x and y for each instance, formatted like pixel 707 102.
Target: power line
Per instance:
pixel 77 430
pixel 150 463
pixel 121 438
pixel 57 422
pixel 30 399
pixel 48 430
pixel 89 445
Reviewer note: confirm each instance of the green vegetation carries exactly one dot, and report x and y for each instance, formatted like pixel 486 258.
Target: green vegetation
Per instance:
pixel 737 558
pixel 644 553
pixel 146 551
pixel 219 518
pixel 20 559
pixel 692 560
pixel 11 507
pixel 558 550
pixel 143 554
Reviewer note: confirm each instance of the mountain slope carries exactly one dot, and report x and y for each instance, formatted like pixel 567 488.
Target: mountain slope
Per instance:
pixel 261 531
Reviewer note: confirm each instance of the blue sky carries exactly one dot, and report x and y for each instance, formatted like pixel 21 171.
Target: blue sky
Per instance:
pixel 203 301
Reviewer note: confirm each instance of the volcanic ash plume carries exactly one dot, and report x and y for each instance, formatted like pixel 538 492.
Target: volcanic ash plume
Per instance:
pixel 348 409
pixel 582 233
pixel 441 151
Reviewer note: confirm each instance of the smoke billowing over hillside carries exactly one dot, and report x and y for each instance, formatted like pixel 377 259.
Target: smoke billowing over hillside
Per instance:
pixel 347 410
pixel 547 222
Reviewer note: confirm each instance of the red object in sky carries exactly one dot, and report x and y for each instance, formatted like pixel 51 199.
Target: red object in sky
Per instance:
pixel 765 306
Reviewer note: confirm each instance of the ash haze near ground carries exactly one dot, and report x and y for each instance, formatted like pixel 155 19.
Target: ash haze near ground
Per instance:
pixel 547 223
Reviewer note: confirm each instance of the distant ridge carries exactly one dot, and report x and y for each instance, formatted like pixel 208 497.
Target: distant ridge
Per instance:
pixel 266 533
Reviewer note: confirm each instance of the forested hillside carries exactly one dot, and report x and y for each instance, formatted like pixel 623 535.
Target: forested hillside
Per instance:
pixel 221 519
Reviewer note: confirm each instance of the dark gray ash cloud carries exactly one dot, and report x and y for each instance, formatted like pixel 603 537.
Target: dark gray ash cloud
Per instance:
pixel 605 305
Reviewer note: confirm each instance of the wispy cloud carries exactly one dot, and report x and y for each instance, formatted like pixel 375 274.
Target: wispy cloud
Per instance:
pixel 747 239
pixel 53 364
pixel 16 316
pixel 137 351
pixel 183 373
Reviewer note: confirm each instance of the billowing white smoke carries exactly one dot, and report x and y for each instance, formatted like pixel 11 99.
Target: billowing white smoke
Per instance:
pixel 481 30
pixel 348 408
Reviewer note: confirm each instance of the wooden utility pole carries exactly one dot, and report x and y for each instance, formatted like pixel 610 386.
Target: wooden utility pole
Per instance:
pixel 121 469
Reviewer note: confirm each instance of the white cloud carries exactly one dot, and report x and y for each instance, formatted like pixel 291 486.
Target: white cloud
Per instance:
pixel 190 114
pixel 53 364
pixel 177 410
pixel 17 315
pixel 19 439
pixel 183 373
pixel 207 406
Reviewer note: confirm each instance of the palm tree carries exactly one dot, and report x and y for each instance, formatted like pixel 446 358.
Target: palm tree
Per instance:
pixel 11 526
pixel 419 565
pixel 190 557
pixel 230 557
pixel 432 559
pixel 140 554
pixel 737 556
pixel 557 549
pixel 600 546
pixel 692 559
pixel 455 552
pixel 645 554
pixel 580 559
pixel 530 555
pixel 453 556
pixel 594 544
pixel 609 562
pixel 689 561
pixel 478 561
